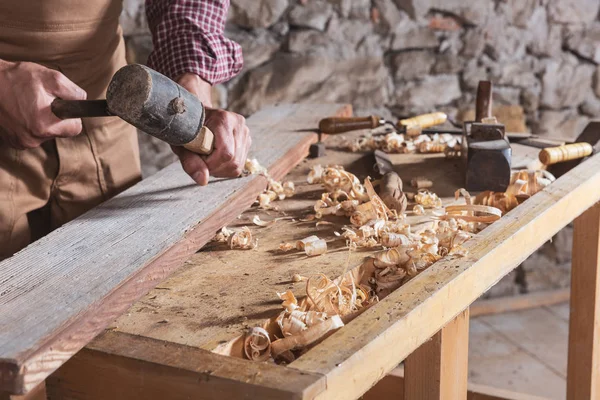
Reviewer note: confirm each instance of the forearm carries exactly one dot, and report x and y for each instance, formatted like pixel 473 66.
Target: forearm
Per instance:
pixel 188 38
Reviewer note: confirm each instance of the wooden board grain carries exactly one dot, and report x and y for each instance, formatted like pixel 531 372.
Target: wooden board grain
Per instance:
pixel 438 369
pixel 583 371
pixel 120 366
pixel 410 315
pixel 62 290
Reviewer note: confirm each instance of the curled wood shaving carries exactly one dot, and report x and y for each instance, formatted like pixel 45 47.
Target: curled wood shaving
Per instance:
pixel 242 239
pixel 523 184
pixel 275 189
pixel 299 278
pixel 306 337
pixel 428 199
pixel 257 344
pixel 421 182
pixel 398 143
pixel 466 212
pixel 287 247
pixel 418 209
pixel 315 248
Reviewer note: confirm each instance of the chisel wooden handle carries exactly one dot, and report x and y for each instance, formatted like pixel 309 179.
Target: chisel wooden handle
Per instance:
pixel 425 120
pixel 341 124
pixel 553 155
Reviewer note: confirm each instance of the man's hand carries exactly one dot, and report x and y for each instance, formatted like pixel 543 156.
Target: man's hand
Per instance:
pixel 232 138
pixel 28 89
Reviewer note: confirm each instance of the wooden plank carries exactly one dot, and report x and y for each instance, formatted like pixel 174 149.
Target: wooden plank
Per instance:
pixel 151 369
pixel 62 290
pixel 401 322
pixel 37 393
pixel 392 387
pixel 583 371
pixel 438 369
pixel 520 302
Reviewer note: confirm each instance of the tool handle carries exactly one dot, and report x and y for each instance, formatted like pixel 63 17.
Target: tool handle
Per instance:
pixel 66 109
pixel 203 143
pixel 483 102
pixel 345 124
pixel 425 120
pixel 554 155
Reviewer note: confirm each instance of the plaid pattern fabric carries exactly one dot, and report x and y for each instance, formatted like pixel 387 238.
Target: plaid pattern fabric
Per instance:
pixel 188 37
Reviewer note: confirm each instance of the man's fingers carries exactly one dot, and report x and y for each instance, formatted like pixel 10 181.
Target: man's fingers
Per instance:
pixel 234 168
pixel 194 166
pixel 65 88
pixel 64 128
pixel 224 149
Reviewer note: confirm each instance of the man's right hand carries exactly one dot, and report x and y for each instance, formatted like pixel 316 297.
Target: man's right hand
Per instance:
pixel 28 89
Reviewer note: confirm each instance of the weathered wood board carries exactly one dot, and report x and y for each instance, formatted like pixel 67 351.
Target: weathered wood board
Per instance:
pixel 62 290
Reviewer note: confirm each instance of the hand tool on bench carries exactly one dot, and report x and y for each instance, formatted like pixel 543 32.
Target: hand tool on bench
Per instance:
pixel 411 126
pixel 152 103
pixel 563 158
pixel 485 149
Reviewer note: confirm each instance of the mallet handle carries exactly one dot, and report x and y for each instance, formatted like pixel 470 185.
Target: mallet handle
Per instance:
pixel 66 109
pixel 340 124
pixel 553 155
pixel 203 143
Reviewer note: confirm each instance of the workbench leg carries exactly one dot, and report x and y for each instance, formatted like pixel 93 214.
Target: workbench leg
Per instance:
pixel 439 368
pixel 583 370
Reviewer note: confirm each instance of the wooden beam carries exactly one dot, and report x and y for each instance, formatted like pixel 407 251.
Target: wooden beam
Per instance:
pixel 392 387
pixel 438 369
pixel 61 291
pixel 583 367
pixel 521 302
pixel 135 367
pixel 404 320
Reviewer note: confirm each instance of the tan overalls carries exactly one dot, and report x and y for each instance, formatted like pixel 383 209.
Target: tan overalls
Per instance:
pixel 42 188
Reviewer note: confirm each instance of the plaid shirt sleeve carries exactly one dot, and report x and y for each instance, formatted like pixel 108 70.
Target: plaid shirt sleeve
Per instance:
pixel 188 37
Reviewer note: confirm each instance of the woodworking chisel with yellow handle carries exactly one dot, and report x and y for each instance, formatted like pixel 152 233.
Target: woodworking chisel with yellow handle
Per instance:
pixel 411 126
pixel 152 103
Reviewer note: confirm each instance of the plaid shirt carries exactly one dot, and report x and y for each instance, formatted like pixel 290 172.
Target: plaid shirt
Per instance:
pixel 188 37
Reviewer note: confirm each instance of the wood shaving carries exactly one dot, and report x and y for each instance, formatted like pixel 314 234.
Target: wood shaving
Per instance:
pixel 299 278
pixel 418 209
pixel 275 190
pixel 523 184
pixel 242 239
pixel 257 345
pixel 285 247
pixel 398 143
pixel 421 182
pixel 428 199
pixel 315 248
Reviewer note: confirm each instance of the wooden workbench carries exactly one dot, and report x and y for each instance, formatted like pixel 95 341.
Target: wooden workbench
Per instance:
pixel 162 346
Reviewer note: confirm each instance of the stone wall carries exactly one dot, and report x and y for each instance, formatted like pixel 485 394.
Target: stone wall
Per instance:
pixel 403 57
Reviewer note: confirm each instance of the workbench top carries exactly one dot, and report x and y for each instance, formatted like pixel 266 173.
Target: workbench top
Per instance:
pixel 219 292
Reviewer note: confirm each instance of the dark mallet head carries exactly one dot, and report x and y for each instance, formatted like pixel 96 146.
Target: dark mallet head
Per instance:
pixel 155 104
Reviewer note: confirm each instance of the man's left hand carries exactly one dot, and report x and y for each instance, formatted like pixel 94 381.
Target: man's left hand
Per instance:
pixel 232 138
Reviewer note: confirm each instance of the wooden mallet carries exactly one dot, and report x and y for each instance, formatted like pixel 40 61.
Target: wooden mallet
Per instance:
pixel 152 103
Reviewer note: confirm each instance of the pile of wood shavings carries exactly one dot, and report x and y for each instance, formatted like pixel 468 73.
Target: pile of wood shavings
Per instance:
pixel 400 143
pixel 242 238
pixel 275 190
pixel 329 304
pixel 523 185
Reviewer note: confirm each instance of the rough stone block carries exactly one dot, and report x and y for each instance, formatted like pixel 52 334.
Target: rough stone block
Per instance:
pixel 565 83
pixel 314 14
pixel 586 43
pixel 256 13
pixel 428 92
pixel 476 12
pixel 258 45
pixel 573 11
pixel 412 64
pixel 566 124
